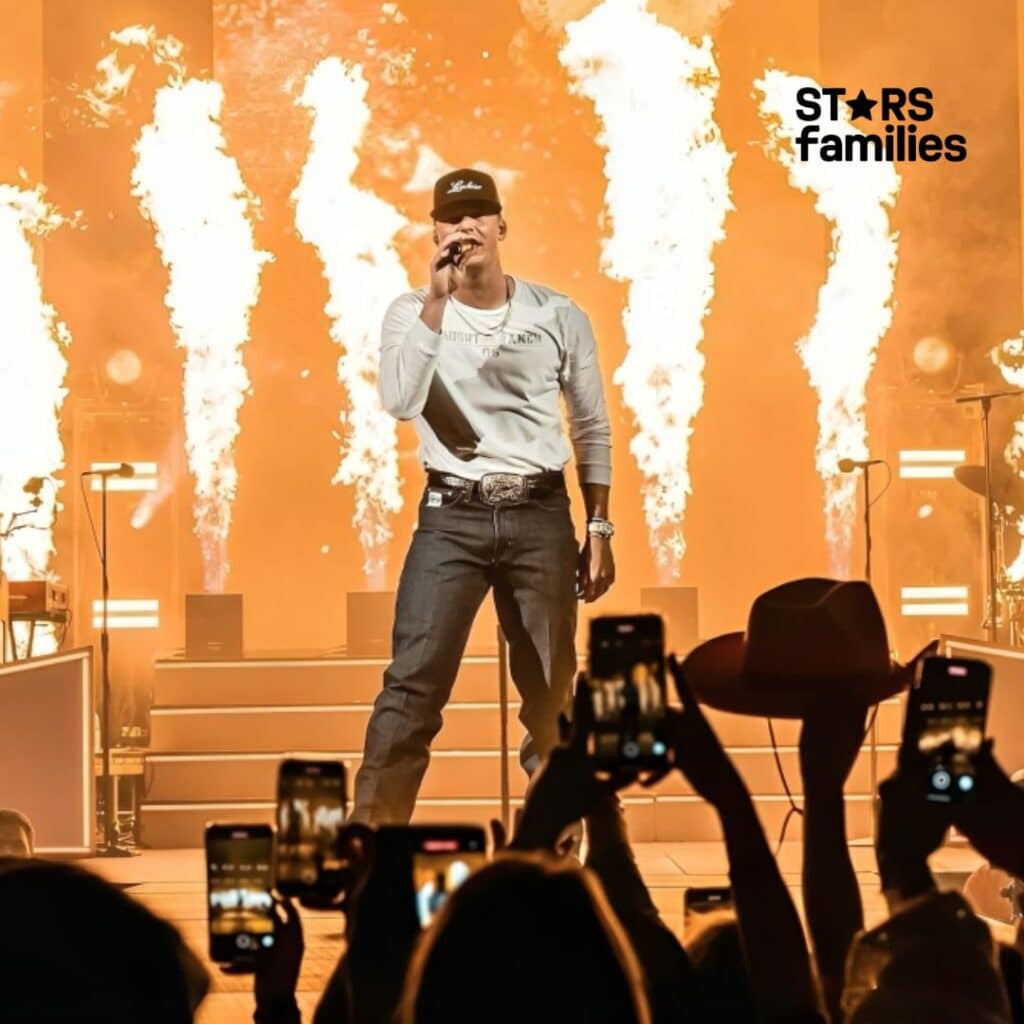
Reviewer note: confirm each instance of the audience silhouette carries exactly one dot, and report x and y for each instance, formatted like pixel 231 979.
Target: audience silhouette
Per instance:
pixel 534 936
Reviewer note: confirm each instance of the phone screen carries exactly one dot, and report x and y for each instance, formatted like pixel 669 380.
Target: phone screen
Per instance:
pixel 443 857
pixel 310 810
pixel 698 901
pixel 240 875
pixel 627 679
pixel 946 715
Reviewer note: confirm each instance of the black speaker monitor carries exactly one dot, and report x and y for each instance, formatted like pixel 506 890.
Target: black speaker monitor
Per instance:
pixel 213 626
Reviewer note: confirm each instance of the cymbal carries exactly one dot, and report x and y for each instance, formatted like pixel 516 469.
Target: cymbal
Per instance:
pixel 1007 488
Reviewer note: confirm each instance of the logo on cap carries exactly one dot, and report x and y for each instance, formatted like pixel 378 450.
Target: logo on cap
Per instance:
pixel 461 185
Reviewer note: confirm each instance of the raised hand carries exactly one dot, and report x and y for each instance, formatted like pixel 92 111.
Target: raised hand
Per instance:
pixel 910 827
pixel 277 968
pixel 567 787
pixel 993 819
pixel 830 739
pixel 697 751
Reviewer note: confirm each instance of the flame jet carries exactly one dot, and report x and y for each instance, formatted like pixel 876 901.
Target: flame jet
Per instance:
pixel 854 304
pixel 668 195
pixel 353 232
pixel 32 371
pixel 192 192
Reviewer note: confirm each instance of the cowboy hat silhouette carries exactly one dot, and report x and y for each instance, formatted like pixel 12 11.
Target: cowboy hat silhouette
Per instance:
pixel 808 642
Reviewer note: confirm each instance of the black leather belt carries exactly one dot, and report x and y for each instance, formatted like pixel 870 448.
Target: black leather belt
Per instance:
pixel 499 488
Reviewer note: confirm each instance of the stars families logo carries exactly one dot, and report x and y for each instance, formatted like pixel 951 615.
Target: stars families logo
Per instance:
pixel 892 134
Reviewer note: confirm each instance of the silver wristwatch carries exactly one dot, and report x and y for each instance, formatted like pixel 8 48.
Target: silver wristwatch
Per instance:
pixel 598 527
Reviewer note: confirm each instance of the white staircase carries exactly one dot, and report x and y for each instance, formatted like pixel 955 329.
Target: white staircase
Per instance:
pixel 219 729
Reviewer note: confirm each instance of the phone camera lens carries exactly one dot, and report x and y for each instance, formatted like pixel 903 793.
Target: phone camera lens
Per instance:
pixel 965 783
pixel 631 749
pixel 243 942
pixel 941 780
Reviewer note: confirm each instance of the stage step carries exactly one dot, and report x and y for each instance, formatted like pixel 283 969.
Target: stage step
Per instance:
pixel 273 728
pixel 219 730
pixel 657 818
pixel 463 774
pixel 305 680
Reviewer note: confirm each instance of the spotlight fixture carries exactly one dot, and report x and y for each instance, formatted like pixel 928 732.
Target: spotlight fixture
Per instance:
pixel 934 363
pixel 123 367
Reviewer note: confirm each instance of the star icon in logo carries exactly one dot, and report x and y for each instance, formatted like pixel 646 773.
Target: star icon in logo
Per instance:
pixel 860 106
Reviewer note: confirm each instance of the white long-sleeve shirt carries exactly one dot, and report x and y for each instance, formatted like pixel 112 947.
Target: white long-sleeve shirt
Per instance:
pixel 489 403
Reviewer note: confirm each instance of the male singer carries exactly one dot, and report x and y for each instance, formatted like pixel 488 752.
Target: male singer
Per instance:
pixel 478 360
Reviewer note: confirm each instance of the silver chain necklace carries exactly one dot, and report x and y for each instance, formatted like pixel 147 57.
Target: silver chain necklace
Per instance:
pixel 494 330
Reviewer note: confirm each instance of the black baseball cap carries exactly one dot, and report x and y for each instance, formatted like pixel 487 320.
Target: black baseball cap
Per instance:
pixel 464 191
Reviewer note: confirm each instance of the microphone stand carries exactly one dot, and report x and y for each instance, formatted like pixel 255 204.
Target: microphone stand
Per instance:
pixel 110 847
pixel 992 626
pixel 866 469
pixel 873 744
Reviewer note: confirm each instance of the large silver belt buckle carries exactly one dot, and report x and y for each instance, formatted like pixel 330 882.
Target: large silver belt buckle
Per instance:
pixel 498 487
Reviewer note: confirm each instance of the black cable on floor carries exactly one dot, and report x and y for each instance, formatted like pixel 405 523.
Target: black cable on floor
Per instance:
pixel 793 808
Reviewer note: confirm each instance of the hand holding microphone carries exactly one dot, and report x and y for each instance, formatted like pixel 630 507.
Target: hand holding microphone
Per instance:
pixel 447 257
pixel 451 255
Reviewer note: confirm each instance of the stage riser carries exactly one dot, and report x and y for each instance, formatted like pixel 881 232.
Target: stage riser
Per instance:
pixel 207 684
pixel 321 707
pixel 465 728
pixel 300 682
pixel 697 822
pixel 204 730
pixel 649 820
pixel 474 776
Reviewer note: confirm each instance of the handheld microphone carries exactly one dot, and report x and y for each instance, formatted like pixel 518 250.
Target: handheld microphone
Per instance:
pixel 453 253
pixel 849 465
pixel 124 469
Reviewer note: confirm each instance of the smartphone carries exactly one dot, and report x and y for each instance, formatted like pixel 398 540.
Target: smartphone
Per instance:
pixel 945 720
pixel 627 679
pixel 440 858
pixel 239 878
pixel 698 900
pixel 310 810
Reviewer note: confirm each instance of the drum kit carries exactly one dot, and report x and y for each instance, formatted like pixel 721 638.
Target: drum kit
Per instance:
pixel 1003 492
pixel 1007 508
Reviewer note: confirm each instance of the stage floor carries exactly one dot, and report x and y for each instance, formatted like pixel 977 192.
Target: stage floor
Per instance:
pixel 172 884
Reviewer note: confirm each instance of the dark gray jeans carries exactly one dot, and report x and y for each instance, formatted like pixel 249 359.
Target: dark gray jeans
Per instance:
pixel 462 548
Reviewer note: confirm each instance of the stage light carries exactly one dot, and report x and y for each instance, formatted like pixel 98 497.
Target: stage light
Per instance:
pixel 123 367
pixel 941 602
pixel 933 354
pixel 127 614
pixel 933 363
pixel 930 463
pixel 925 511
